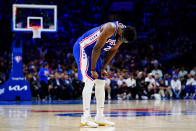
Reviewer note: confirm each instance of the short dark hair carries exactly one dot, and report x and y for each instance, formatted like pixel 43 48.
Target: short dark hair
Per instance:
pixel 45 64
pixel 129 33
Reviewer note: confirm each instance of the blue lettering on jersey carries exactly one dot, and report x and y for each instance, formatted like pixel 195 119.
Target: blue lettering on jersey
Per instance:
pixel 93 37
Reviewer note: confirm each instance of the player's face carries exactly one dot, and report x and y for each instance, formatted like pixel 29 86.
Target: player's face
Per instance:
pixel 46 66
pixel 122 38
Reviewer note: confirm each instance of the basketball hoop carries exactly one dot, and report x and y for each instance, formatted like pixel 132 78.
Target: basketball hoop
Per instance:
pixel 36 31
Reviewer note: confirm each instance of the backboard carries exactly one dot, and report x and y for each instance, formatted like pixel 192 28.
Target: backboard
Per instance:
pixel 25 16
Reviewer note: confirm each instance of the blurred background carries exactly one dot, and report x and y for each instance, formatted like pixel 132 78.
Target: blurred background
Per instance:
pixel 163 54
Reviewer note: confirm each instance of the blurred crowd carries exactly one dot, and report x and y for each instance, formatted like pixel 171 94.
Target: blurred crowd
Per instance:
pixel 153 83
pixel 159 65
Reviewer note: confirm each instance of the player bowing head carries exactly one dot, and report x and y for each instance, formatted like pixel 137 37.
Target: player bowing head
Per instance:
pixel 128 34
pixel 105 40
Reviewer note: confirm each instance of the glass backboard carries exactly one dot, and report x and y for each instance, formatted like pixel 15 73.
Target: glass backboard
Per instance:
pixel 25 16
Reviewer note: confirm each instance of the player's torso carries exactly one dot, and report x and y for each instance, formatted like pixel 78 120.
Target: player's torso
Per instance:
pixel 88 40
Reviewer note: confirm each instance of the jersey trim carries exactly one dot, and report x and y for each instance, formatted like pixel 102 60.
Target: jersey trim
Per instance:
pixel 90 39
pixel 81 63
pixel 84 65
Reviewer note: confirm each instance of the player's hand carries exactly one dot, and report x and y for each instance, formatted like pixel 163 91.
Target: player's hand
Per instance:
pixel 94 74
pixel 104 73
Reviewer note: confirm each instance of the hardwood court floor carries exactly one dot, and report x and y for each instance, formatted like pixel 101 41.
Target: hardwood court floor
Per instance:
pixel 146 115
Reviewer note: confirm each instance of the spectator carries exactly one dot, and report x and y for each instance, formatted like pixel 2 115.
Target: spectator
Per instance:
pixel 167 84
pixel 162 89
pixel 140 85
pixel 44 75
pixel 183 72
pixel 68 87
pixel 144 62
pixel 193 71
pixel 114 87
pixel 122 87
pixel 183 83
pixel 176 87
pixel 176 72
pixel 78 86
pixel 35 85
pixel 157 82
pixel 194 86
pixel 157 71
pixel 56 86
pixel 154 62
pixel 171 70
pixel 151 85
pixel 131 86
pixel 59 69
pixel 189 89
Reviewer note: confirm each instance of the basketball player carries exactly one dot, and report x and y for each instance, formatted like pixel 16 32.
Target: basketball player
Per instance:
pixel 87 49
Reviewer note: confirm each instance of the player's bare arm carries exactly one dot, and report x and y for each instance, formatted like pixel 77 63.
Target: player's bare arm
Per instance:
pixel 106 32
pixel 110 55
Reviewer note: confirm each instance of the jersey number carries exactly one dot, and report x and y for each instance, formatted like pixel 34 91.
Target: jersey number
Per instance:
pixel 107 48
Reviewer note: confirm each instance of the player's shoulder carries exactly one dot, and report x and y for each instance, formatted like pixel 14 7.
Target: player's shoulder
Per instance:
pixel 110 26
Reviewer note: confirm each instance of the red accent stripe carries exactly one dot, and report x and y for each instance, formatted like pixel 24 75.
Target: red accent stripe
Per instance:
pixel 86 71
pixel 87 58
pixel 81 63
pixel 86 66
pixel 90 43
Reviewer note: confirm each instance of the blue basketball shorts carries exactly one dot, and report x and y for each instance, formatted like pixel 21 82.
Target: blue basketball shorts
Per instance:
pixel 83 60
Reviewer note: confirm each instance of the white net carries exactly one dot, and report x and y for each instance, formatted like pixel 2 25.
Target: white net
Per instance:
pixel 37 32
